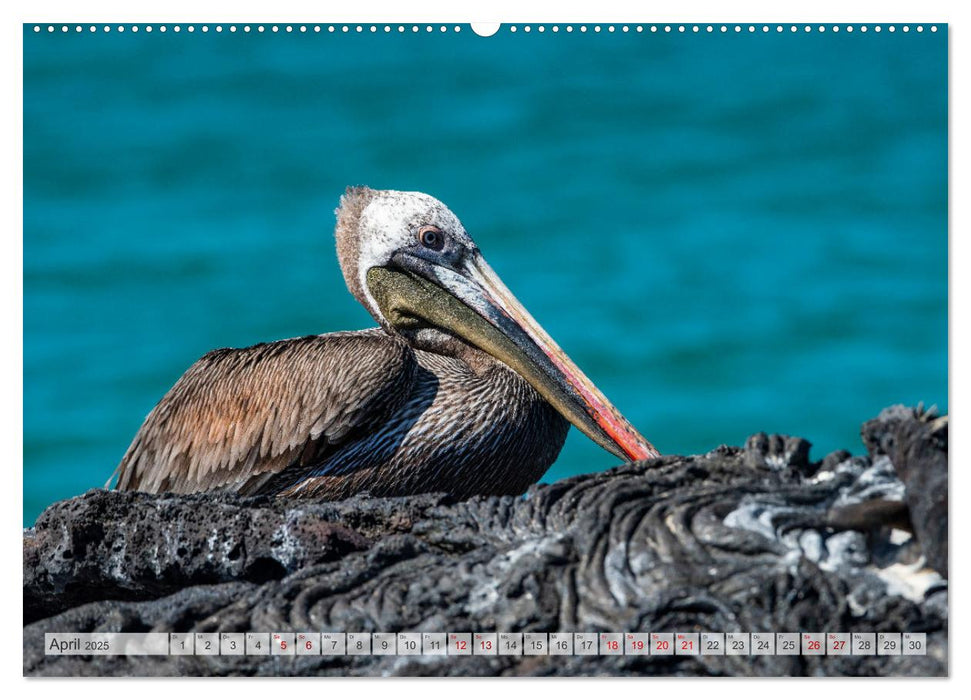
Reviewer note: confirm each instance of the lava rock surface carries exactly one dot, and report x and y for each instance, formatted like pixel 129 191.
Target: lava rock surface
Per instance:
pixel 740 539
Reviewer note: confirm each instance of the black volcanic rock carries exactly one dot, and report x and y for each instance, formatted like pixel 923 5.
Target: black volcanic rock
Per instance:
pixel 916 443
pixel 754 539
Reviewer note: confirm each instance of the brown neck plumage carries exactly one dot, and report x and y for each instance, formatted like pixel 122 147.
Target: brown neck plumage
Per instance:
pixel 347 236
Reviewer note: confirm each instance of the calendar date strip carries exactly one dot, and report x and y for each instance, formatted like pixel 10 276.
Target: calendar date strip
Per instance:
pixel 487 644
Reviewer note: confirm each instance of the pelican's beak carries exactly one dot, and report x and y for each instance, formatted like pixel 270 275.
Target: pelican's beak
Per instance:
pixel 473 303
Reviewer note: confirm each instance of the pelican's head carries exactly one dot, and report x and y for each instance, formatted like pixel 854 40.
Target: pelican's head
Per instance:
pixel 407 258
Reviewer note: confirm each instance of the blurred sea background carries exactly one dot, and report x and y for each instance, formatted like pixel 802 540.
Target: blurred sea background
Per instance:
pixel 728 232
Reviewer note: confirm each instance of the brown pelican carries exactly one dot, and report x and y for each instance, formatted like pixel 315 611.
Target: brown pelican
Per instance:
pixel 459 390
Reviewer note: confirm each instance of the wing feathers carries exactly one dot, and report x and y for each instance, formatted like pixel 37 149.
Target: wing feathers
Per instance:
pixel 238 417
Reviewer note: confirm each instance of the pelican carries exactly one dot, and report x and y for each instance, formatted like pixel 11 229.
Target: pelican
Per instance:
pixel 458 389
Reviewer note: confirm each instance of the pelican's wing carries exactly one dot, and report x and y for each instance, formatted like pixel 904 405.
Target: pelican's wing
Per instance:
pixel 238 417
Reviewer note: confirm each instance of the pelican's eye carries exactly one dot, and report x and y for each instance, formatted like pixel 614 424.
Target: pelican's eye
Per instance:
pixel 431 237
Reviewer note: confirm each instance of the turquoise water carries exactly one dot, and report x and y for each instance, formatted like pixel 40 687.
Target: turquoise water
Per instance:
pixel 728 233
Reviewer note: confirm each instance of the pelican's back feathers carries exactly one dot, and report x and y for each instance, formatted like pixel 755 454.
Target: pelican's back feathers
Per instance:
pixel 241 417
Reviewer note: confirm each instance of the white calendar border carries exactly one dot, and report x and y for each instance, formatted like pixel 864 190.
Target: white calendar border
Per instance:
pixel 839 11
